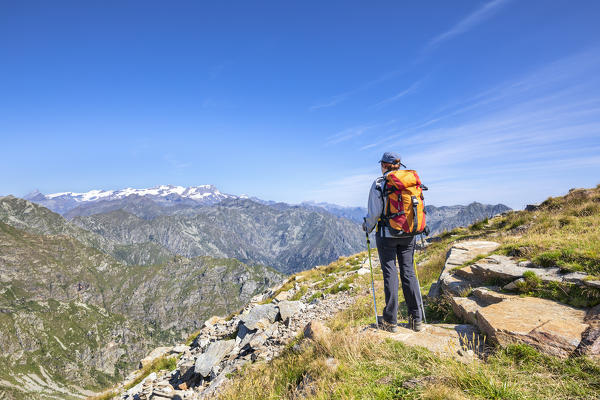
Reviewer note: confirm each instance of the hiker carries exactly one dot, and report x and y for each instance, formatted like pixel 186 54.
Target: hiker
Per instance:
pixel 392 244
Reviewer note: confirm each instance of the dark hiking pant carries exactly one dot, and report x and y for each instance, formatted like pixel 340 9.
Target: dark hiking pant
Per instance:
pixel 389 250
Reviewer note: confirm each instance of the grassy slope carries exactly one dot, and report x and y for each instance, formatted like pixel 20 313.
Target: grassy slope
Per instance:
pixel 564 232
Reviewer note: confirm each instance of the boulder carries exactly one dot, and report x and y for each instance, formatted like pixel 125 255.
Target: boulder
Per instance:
pixel 260 316
pixel 315 330
pixel 549 326
pixel 459 254
pixel 243 331
pixel 287 309
pixel 213 355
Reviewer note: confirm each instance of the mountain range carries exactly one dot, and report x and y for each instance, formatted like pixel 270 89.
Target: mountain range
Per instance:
pixel 170 200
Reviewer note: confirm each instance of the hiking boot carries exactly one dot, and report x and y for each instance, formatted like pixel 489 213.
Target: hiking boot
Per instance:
pixel 387 326
pixel 418 326
pixel 415 325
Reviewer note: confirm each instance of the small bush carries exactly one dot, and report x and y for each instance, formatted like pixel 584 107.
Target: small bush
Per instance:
pixel 301 292
pixel 439 309
pixel 317 295
pixel 479 225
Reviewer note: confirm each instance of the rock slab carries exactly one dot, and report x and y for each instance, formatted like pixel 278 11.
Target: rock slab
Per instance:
pixel 459 254
pixel 287 309
pixel 213 355
pixel 547 325
pixel 260 316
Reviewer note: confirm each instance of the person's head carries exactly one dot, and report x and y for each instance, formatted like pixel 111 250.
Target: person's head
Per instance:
pixel 389 162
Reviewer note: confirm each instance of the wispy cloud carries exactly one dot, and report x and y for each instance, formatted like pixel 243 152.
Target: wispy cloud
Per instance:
pixel 355 132
pixel 337 99
pixel 397 96
pixel 513 142
pixel 469 22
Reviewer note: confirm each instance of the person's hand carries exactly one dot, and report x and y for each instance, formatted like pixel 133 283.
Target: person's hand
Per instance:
pixel 364 226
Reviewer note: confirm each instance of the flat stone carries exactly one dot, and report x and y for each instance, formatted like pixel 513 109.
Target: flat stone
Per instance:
pixel 363 271
pixel 287 309
pixel 549 326
pixel 445 339
pixel 459 254
pixel 504 268
pixel 260 316
pixel 213 355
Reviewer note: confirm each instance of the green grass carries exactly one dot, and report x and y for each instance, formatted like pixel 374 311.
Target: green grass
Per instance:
pixel 301 292
pixel 562 233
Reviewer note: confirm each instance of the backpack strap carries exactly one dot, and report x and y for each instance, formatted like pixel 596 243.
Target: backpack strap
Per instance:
pixel 415 204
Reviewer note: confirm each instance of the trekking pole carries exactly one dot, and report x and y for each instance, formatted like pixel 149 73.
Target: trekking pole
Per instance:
pixel 420 296
pixel 372 281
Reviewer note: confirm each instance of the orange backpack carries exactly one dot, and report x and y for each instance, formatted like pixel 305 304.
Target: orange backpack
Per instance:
pixel 404 213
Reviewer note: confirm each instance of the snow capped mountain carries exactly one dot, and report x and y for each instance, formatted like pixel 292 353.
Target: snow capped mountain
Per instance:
pixel 163 194
pixel 193 192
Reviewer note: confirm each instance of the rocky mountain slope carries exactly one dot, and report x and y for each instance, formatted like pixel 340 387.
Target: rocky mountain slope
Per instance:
pixel 446 218
pixel 73 319
pixel 289 238
pixel 439 219
pixel 34 218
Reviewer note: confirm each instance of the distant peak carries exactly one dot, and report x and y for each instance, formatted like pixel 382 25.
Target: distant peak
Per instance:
pixel 35 195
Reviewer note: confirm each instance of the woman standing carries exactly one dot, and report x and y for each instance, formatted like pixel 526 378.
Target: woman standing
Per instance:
pixel 392 246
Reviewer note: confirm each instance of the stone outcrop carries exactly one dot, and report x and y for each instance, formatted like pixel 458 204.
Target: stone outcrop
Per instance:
pixel 551 327
pixel 459 254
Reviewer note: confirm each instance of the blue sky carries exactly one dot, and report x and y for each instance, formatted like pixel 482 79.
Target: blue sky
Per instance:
pixel 491 101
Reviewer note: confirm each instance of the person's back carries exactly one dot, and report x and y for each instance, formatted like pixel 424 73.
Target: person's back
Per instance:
pixel 393 244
